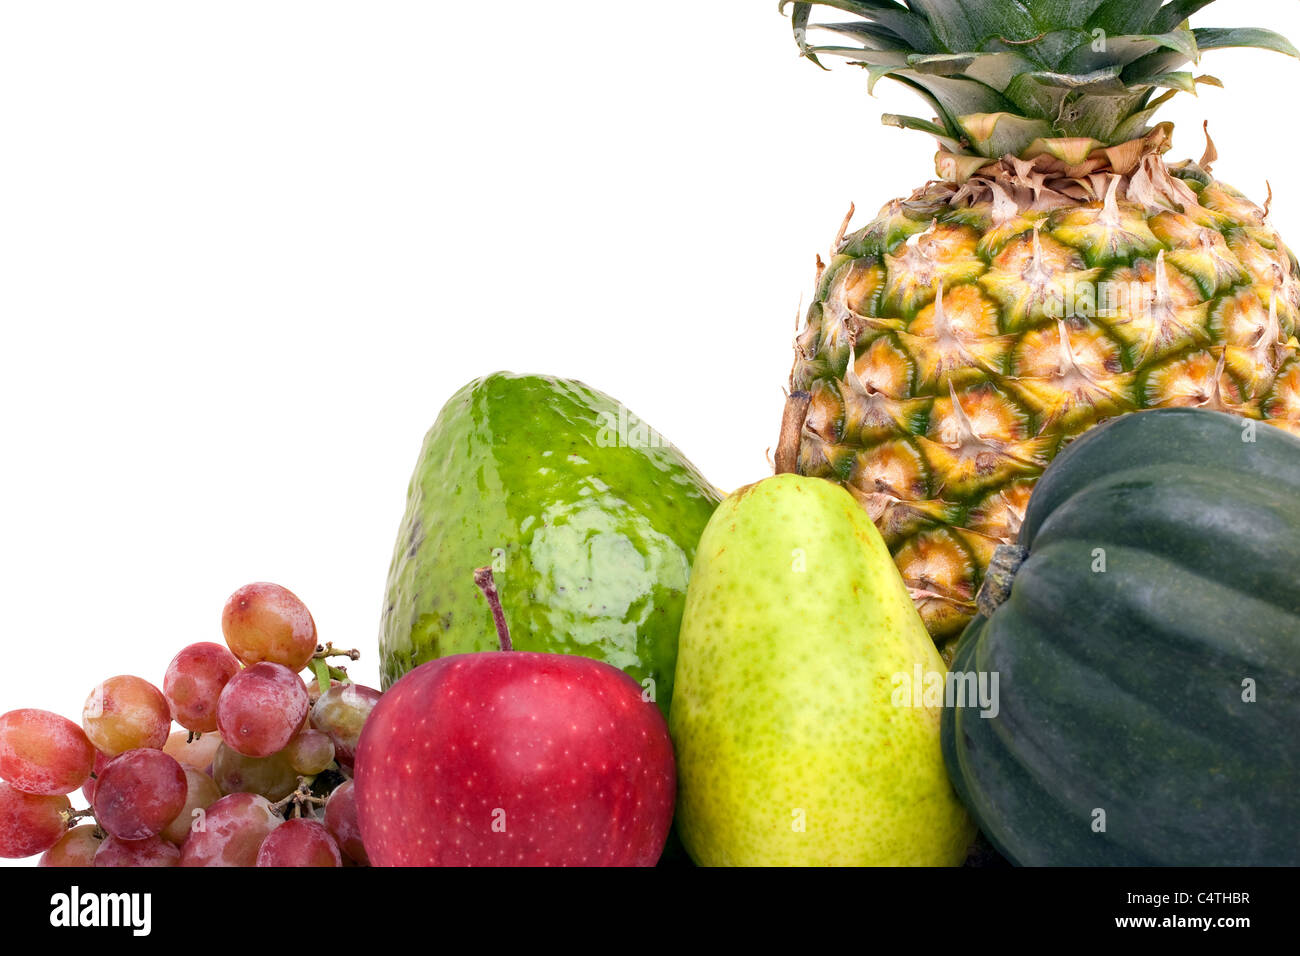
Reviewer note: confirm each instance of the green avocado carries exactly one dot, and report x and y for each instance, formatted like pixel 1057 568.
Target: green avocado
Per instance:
pixel 588 518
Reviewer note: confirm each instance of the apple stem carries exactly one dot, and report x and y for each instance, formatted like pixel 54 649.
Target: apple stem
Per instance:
pixel 488 585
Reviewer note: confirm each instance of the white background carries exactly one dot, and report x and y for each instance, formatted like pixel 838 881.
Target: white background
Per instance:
pixel 248 249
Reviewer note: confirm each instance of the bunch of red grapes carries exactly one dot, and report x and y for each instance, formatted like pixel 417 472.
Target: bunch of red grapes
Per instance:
pixel 260 774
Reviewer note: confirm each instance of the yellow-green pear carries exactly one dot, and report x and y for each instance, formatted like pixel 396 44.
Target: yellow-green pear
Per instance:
pixel 800 737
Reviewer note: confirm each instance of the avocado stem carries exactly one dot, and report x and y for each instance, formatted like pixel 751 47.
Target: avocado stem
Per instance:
pixel 488 585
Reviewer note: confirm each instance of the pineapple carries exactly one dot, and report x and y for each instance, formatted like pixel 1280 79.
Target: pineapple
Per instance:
pixel 1057 274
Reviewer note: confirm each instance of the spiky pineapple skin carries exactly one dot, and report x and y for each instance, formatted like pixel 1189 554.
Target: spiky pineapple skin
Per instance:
pixel 1197 306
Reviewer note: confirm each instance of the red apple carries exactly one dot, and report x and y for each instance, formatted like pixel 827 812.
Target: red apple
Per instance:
pixel 512 758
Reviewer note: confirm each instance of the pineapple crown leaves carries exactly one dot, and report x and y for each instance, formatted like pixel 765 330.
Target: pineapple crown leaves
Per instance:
pixel 1019 77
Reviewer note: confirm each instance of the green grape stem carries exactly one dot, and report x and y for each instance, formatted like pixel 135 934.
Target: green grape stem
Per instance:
pixel 70 817
pixel 301 796
pixel 329 650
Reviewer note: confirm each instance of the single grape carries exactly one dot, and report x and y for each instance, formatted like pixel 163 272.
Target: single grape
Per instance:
pixel 139 793
pixel 299 842
pixel 194 681
pixel 341 821
pixel 200 793
pixel 197 753
pixel 271 777
pixel 261 709
pixel 310 752
pixel 88 788
pixel 341 712
pixel 75 848
pixel 126 713
pixel 29 823
pixel 265 622
pixel 151 851
pixel 43 753
pixel 231 832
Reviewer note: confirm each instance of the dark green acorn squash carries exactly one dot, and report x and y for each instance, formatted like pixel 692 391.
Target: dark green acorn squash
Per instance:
pixel 1126 690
